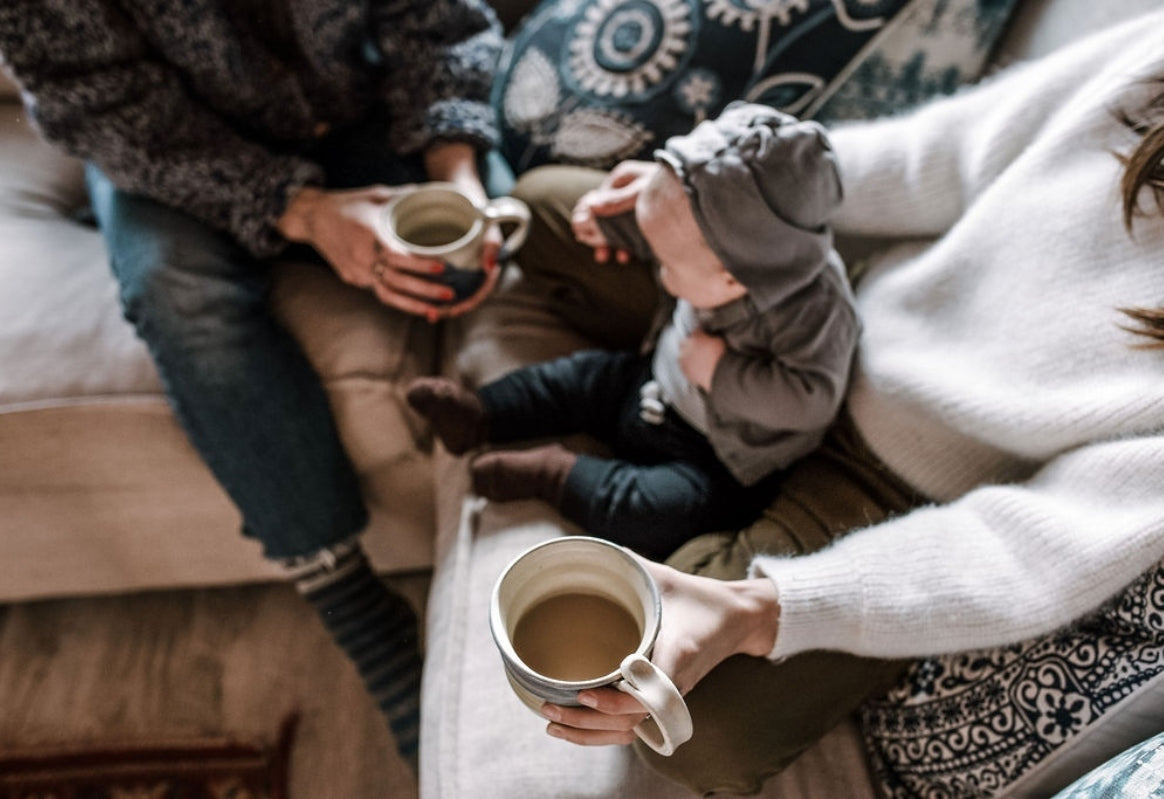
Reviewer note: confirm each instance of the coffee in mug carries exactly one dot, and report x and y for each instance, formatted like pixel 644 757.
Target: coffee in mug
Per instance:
pixel 437 220
pixel 575 636
pixel 575 613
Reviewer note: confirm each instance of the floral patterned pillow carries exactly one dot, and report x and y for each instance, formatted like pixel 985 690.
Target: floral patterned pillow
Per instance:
pixel 595 81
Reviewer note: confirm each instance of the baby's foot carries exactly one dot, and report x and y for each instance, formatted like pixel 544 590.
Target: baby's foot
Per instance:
pixel 454 412
pixel 508 475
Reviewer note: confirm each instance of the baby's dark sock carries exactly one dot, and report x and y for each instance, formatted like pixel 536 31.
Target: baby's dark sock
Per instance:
pixel 455 413
pixel 378 630
pixel 538 473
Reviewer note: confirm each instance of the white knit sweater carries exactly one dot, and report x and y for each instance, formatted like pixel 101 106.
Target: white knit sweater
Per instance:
pixel 994 374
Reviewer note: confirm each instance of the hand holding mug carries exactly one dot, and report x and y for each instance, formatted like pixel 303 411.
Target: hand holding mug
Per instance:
pixel 343 227
pixel 440 223
pixel 706 621
pixel 576 614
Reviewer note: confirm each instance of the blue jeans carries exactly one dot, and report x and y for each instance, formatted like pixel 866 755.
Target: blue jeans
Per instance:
pixel 239 384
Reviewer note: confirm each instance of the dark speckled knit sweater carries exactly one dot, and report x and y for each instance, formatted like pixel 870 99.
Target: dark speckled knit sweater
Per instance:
pixel 209 105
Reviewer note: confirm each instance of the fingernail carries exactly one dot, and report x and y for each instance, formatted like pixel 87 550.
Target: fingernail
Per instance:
pixel 436 269
pixel 587 700
pixel 554 731
pixel 431 316
pixel 551 712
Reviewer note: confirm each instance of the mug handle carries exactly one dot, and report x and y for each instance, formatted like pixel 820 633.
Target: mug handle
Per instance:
pixel 669 724
pixel 509 209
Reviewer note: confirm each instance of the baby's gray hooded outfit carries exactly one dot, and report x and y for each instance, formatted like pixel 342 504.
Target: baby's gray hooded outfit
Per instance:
pixel 762 185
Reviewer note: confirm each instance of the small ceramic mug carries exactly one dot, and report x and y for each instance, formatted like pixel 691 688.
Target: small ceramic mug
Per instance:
pixel 575 613
pixel 438 221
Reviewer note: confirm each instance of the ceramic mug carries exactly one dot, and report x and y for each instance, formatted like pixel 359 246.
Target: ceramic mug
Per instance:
pixel 575 613
pixel 438 221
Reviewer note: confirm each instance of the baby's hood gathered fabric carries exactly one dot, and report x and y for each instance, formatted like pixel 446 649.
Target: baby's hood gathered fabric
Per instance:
pixel 762 185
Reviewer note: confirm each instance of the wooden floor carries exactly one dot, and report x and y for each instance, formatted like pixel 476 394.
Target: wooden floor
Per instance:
pixel 227 662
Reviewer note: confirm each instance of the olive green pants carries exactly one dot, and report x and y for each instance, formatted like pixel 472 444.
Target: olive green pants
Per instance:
pixel 752 716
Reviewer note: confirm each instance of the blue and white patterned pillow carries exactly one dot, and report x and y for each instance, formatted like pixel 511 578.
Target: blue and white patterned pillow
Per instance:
pixel 1137 773
pixel 595 81
pixel 934 49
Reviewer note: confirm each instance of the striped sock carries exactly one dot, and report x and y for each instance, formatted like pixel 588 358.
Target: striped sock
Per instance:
pixel 378 630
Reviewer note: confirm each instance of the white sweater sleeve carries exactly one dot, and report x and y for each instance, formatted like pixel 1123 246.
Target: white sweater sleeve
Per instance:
pixel 999 565
pixel 914 175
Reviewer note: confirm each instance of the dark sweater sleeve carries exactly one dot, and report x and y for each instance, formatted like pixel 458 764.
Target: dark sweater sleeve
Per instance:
pixel 93 88
pixel 440 58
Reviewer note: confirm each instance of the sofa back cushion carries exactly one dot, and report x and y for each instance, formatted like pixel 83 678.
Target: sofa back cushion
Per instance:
pixel 595 81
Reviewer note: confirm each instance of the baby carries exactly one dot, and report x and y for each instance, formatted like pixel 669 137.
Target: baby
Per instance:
pixel 748 369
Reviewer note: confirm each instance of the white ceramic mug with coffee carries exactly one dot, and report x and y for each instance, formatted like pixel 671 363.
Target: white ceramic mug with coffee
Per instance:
pixel 437 220
pixel 576 613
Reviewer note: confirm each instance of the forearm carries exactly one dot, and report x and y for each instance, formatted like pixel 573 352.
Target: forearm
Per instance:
pixel 1001 564
pixel 298 220
pixel 101 96
pixel 710 621
pixel 231 184
pixel 440 59
pixel 455 162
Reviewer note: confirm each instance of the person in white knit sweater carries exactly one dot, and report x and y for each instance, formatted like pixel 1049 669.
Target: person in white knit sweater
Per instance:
pixel 998 477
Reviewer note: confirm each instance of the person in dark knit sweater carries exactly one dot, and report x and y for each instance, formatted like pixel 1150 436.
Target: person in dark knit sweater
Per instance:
pixel 219 134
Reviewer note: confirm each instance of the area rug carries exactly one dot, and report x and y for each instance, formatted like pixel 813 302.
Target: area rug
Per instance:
pixel 183 769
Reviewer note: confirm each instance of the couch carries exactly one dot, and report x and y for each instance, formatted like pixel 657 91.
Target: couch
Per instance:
pixel 100 493
pixel 99 490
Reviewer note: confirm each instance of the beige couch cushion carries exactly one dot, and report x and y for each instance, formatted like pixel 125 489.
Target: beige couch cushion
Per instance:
pixel 62 333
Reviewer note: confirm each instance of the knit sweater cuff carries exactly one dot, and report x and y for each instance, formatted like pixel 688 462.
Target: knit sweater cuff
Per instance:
pixel 255 222
pixel 820 603
pixel 450 120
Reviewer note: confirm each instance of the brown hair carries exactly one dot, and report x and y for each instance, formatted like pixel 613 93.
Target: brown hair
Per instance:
pixel 1144 166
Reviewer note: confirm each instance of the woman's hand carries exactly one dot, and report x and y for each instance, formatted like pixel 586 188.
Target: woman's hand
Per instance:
pixel 705 621
pixel 456 163
pixel 343 227
pixel 617 194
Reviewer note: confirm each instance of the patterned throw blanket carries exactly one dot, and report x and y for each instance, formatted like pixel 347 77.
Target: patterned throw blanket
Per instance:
pixel 1025 700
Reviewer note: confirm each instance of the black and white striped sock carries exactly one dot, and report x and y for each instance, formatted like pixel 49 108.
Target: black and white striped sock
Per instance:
pixel 376 627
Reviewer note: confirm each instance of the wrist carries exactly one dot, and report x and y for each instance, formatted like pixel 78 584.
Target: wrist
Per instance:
pixel 456 163
pixel 759 615
pixel 296 221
